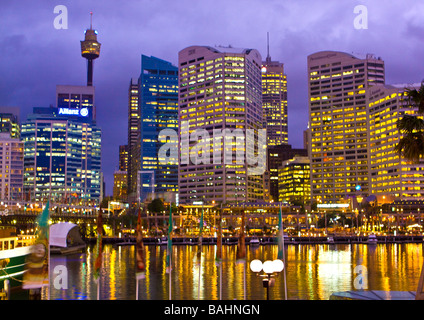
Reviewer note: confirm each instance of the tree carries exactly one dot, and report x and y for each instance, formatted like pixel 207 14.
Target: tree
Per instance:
pixel 411 145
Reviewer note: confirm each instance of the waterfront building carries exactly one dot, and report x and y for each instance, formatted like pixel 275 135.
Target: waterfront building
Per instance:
pixel 62 155
pixel 134 140
pixel 337 88
pixel 219 88
pixel 294 181
pixel 11 168
pixel 391 176
pixel 158 99
pixel 274 102
pixel 10 122
pixel 277 155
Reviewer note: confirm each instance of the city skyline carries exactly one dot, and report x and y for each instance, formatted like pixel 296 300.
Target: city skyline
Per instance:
pixel 37 57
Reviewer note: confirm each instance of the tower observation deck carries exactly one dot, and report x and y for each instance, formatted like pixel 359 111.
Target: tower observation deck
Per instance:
pixel 90 50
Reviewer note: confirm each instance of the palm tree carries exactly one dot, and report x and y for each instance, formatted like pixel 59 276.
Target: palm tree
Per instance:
pixel 411 145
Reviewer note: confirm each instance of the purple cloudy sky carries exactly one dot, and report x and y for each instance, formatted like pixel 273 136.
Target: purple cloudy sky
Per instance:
pixel 34 56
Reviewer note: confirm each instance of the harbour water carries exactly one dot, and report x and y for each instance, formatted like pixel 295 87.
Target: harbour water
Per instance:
pixel 313 272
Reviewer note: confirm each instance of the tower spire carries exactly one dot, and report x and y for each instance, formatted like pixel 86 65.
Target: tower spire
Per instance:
pixel 90 49
pixel 268 58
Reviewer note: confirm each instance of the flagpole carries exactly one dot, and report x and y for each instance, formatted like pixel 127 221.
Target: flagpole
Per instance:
pixel 284 255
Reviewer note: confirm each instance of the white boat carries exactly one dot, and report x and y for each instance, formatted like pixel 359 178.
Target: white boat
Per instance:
pixel 254 241
pixel 163 241
pixel 372 239
pixel 13 253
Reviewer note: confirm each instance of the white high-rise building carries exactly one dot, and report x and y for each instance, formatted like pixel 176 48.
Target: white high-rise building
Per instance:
pixel 338 116
pixel 219 88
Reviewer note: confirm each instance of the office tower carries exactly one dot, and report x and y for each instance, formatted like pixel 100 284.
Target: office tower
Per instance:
pixel 62 156
pixel 120 185
pixel 274 101
pixel 391 176
pixel 76 101
pixel 134 140
pixel 337 87
pixel 12 168
pixel 90 50
pixel 220 88
pixel 277 155
pixel 9 121
pixel 123 158
pixel 158 96
pixel 294 181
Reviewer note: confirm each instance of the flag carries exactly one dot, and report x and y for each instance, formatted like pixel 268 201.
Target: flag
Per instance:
pixel 241 245
pixel 140 253
pixel 199 244
pixel 280 236
pixel 99 248
pixel 37 266
pixel 169 251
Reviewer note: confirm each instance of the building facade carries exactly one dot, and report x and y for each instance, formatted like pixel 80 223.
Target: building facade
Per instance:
pixel 274 101
pixel 338 118
pixel 219 88
pixel 391 176
pixel 158 97
pixel 12 168
pixel 277 155
pixel 62 154
pixel 134 140
pixel 294 181
pixel 10 122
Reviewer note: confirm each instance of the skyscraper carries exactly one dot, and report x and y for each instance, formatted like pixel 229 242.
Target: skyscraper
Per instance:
pixel 337 88
pixel 134 140
pixel 390 175
pixel 158 98
pixel 274 101
pixel 220 88
pixel 62 155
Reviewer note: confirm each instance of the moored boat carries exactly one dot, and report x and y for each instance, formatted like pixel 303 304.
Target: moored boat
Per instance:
pixel 254 241
pixel 13 254
pixel 372 239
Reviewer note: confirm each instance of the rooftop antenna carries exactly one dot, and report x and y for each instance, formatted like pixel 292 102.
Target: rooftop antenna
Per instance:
pixel 91 20
pixel 268 58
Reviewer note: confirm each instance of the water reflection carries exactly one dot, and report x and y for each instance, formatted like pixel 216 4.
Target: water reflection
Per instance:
pixel 313 272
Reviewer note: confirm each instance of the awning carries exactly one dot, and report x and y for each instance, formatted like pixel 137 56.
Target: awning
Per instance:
pixel 59 233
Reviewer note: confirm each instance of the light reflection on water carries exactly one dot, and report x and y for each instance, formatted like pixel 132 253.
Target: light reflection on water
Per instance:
pixel 314 272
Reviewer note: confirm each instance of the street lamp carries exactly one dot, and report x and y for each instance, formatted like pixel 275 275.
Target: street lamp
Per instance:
pixel 270 268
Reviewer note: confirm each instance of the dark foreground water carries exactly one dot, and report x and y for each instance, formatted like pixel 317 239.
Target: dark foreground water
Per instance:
pixel 313 272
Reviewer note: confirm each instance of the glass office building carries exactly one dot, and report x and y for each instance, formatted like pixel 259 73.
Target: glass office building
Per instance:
pixel 62 152
pixel 158 98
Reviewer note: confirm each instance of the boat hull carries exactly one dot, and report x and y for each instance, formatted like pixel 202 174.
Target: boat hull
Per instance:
pixel 12 266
